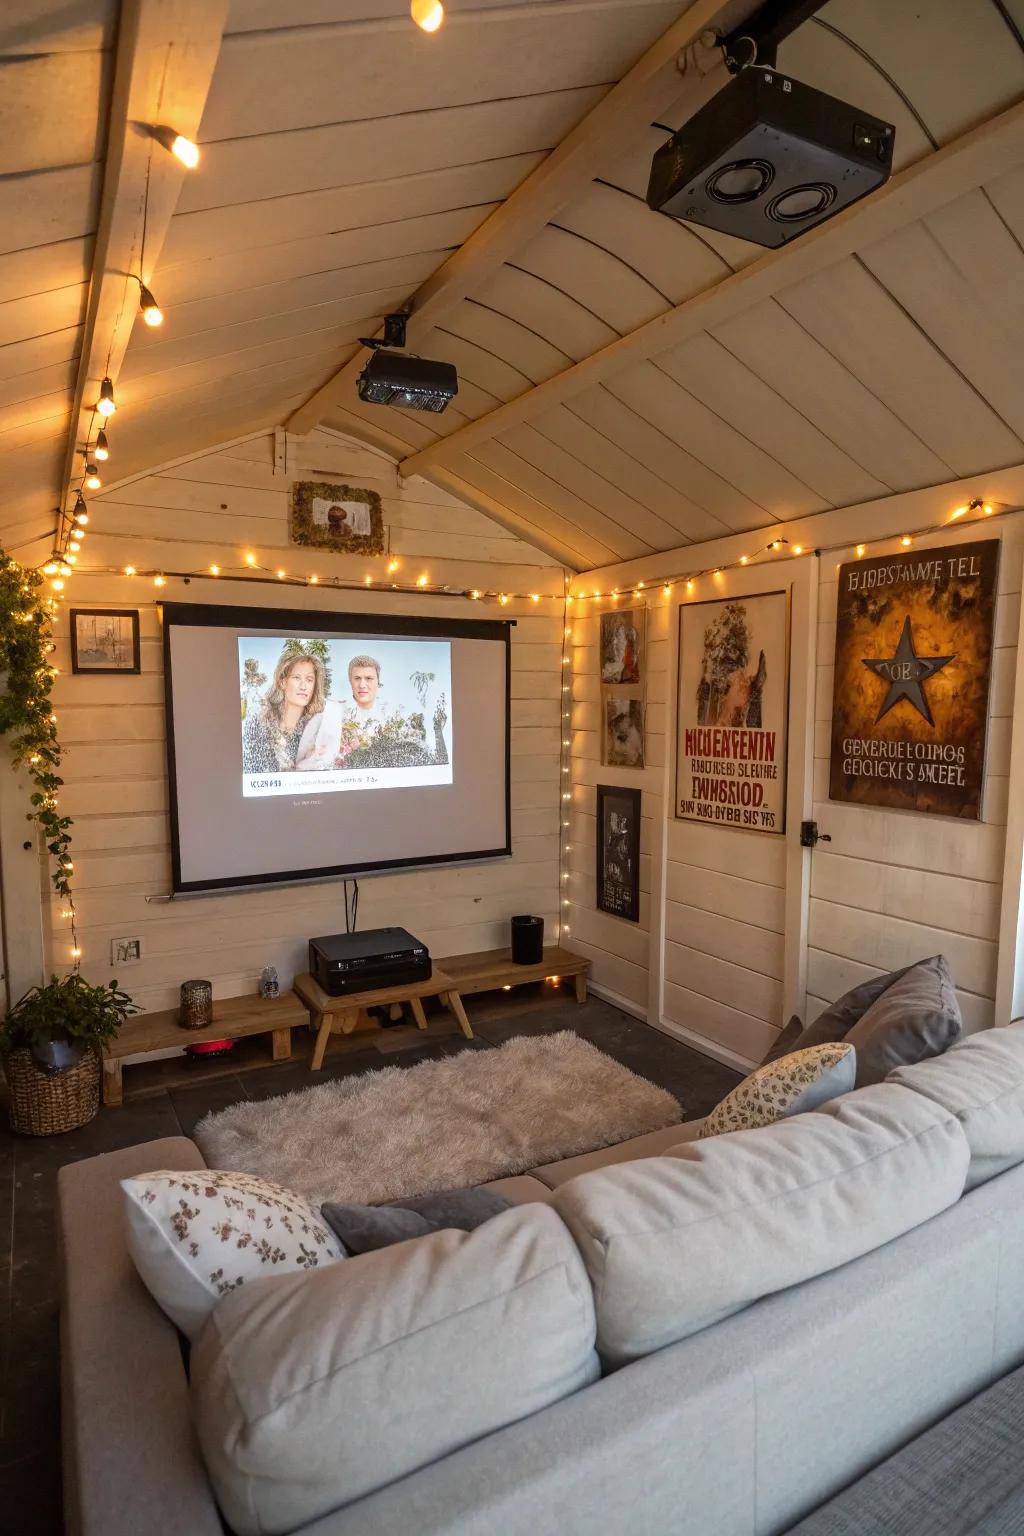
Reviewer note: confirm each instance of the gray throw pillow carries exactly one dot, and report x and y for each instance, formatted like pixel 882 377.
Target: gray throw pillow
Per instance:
pixel 916 1017
pixel 893 1020
pixel 785 1041
pixel 364 1228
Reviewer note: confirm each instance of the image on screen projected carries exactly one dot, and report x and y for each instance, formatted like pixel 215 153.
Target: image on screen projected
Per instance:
pixel 335 714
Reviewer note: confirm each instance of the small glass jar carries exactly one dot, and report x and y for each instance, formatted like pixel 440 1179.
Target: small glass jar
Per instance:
pixel 196 1005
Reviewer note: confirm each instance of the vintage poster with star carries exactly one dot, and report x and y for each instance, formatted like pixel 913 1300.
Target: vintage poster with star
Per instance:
pixel 913 658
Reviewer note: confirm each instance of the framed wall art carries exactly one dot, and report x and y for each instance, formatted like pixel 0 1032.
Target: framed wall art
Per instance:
pixel 912 675
pixel 105 640
pixel 623 662
pixel 343 518
pixel 618 851
pixel 732 713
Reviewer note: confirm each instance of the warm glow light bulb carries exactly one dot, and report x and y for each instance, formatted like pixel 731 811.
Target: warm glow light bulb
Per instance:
pixel 185 150
pixel 81 518
pixel 129 570
pixel 427 14
pixel 151 311
pixel 214 570
pixel 106 404
pixel 159 581
pixel 74 544
pixel 102 449
pixel 92 479
pixel 50 568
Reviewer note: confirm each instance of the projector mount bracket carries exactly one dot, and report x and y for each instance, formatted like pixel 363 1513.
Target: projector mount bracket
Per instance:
pixel 394 332
pixel 757 40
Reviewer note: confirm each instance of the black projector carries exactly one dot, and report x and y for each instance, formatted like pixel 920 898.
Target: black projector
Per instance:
pixel 364 962
pixel 767 158
pixel 418 383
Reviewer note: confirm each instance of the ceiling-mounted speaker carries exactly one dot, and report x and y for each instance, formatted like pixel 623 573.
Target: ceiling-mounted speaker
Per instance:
pixel 767 158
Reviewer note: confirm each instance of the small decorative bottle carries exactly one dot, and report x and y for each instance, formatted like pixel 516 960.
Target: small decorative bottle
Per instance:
pixel 269 984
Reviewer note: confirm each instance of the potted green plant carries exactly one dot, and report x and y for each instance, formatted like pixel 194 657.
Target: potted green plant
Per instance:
pixel 52 1042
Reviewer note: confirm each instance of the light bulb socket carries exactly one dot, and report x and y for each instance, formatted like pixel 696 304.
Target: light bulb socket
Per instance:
pixel 102 449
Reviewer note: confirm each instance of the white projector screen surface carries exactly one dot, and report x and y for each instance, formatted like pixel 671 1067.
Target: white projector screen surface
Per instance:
pixel 302 745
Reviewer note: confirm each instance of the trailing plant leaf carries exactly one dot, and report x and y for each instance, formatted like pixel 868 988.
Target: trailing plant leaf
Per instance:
pixel 27 718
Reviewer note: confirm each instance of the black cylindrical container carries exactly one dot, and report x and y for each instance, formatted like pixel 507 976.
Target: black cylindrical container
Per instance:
pixel 528 940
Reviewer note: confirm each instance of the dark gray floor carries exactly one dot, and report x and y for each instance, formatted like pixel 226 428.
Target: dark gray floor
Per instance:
pixel 166 1099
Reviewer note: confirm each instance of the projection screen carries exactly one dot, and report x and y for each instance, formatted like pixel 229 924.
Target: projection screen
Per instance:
pixel 302 745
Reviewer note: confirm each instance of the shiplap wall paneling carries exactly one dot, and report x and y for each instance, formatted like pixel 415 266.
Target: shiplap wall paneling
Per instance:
pixel 113 727
pixel 892 886
pixel 617 949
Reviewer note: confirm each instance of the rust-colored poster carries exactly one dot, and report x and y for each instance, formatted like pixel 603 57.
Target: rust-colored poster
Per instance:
pixel 913 658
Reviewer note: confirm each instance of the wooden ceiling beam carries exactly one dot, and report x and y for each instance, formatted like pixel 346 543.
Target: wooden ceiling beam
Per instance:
pixel 653 86
pixel 164 63
pixel 959 167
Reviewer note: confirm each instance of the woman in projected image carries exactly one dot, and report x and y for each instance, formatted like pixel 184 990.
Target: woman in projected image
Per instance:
pixel 272 733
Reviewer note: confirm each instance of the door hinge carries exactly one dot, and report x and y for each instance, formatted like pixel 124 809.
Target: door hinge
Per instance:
pixel 810 837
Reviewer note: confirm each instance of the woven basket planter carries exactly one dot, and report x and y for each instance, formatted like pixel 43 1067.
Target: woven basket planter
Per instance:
pixel 45 1105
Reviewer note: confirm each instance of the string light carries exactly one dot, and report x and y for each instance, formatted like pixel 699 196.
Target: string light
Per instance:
pixel 214 570
pixel 102 449
pixel 250 559
pixel 129 570
pixel 152 314
pixel 106 404
pixel 427 14
pixel 906 541
pixel 280 575
pixel 159 581
pixel 421 581
pixel 392 567
pixel 92 478
pixel 183 149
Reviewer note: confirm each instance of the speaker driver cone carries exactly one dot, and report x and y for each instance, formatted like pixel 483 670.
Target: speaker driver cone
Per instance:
pixel 804 202
pixel 741 181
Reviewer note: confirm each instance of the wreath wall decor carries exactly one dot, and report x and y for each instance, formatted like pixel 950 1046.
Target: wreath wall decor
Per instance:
pixel 344 518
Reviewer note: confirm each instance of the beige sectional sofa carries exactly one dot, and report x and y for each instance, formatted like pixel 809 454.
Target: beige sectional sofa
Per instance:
pixel 774 1312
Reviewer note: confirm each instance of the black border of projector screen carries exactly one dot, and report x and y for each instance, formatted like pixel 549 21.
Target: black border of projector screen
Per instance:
pixel 225 616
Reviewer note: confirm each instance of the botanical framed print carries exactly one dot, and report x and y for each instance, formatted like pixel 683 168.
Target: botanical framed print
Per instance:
pixel 344 518
pixel 618 851
pixel 622 646
pixel 623 733
pixel 105 640
pixel 912 676
pixel 732 712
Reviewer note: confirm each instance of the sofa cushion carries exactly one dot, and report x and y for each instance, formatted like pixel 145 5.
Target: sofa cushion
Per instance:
pixel 364 1228
pixel 901 1017
pixel 196 1236
pixel 674 1243
pixel 789 1086
pixel 785 1041
pixel 310 1391
pixel 649 1145
pixel 981 1082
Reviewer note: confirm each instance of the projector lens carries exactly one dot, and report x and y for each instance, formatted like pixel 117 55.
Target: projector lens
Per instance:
pixel 801 202
pixel 741 181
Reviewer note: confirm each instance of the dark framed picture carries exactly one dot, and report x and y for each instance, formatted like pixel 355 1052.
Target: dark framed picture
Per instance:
pixel 618 851
pixel 105 640
pixel 344 518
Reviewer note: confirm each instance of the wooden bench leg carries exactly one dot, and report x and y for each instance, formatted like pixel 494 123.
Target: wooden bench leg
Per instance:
pixel 350 1019
pixel 417 1012
pixel 395 1012
pixel 324 1022
pixel 455 1004
pixel 281 1044
pixel 581 987
pixel 113 1086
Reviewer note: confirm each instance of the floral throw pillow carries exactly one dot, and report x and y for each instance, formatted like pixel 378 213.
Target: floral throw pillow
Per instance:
pixel 795 1083
pixel 196 1236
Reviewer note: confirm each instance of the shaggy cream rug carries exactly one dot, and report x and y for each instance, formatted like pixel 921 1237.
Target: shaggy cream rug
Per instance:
pixel 442 1125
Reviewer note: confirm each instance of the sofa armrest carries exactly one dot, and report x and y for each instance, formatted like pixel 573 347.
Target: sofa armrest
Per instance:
pixel 129 1451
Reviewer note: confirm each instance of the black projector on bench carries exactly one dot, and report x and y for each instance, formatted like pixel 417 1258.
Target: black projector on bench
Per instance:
pixel 365 962
pixel 767 158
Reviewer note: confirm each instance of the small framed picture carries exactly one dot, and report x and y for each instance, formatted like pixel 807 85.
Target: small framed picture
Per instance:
pixel 105 640
pixel 622 647
pixel 618 851
pixel 623 735
pixel 345 518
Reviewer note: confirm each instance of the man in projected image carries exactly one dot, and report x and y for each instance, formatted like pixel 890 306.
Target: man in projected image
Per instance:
pixel 371 732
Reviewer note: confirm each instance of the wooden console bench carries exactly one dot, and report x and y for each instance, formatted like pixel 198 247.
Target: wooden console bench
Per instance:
pixel 343 1014
pixel 233 1017
pixel 494 969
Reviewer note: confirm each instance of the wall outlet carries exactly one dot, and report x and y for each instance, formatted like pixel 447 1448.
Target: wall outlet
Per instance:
pixel 125 951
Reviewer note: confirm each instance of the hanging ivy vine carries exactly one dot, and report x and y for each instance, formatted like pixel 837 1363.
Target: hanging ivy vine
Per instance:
pixel 27 717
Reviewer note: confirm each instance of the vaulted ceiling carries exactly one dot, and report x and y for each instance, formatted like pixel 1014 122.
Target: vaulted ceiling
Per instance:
pixel 627 382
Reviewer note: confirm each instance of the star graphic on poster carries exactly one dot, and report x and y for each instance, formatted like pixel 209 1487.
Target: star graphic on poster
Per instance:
pixel 906 672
